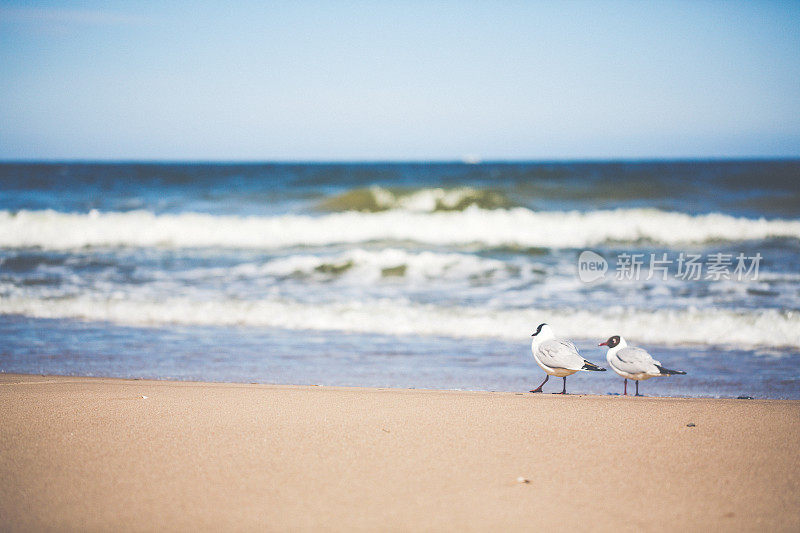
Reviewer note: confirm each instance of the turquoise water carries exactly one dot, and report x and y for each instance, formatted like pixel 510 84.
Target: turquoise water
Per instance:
pixel 404 275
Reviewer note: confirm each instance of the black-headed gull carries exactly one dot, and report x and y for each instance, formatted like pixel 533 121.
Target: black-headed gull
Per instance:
pixel 633 363
pixel 557 357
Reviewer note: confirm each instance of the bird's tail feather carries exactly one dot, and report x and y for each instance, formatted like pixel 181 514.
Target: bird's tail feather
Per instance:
pixel 591 366
pixel 668 372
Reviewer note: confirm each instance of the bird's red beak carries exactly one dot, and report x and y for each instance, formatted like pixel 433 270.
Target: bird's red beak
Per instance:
pixel 603 344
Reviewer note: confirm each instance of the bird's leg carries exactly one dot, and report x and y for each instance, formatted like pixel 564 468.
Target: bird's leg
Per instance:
pixel 625 392
pixel 539 388
pixel 637 389
pixel 564 390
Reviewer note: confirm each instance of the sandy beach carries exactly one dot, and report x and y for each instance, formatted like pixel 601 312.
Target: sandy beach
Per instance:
pixel 130 455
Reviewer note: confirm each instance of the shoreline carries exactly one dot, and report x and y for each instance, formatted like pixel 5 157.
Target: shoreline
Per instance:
pixel 552 388
pixel 110 453
pixel 66 378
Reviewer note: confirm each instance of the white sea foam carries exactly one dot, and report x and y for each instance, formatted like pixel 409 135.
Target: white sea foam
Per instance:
pixel 492 228
pixel 437 199
pixel 753 328
pixel 367 266
pixel 425 200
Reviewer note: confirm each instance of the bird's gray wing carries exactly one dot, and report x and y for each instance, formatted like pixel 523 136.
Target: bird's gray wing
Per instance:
pixel 557 353
pixel 635 361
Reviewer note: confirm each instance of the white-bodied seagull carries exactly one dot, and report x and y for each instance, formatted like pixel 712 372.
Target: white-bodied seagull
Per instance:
pixel 557 357
pixel 633 363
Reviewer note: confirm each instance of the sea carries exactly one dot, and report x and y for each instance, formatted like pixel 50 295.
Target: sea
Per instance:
pixel 410 275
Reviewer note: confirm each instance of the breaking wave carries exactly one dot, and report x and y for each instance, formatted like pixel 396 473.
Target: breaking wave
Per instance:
pixel 517 227
pixel 375 198
pixel 753 328
pixel 369 265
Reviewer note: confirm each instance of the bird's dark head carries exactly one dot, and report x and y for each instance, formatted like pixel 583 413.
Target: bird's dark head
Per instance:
pixel 611 342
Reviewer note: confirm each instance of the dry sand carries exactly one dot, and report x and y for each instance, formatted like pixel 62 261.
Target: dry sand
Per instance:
pixel 94 454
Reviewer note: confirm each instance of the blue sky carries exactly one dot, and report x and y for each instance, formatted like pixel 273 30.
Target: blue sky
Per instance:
pixel 398 80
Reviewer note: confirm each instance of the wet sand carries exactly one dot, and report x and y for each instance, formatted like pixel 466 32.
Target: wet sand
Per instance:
pixel 130 455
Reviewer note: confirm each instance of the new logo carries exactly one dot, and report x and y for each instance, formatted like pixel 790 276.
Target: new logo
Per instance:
pixel 591 266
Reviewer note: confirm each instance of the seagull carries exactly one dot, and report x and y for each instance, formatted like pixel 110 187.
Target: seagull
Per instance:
pixel 557 357
pixel 634 363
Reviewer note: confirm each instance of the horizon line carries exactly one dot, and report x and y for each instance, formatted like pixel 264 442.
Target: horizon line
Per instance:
pixel 462 160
